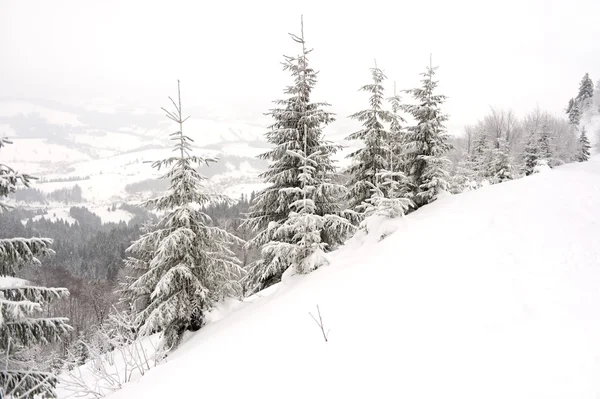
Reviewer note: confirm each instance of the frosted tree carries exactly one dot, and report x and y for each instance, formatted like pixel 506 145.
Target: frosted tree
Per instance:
pixel 372 158
pixel 465 176
pixel 574 113
pixel 545 147
pixel 481 156
pixel 585 96
pixel 426 142
pixel 297 242
pixel 181 264
pixel 500 166
pixel 296 134
pixel 583 151
pixel 23 325
pixel 531 153
pixel 396 134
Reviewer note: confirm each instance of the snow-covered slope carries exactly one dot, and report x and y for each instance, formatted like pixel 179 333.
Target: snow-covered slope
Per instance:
pixel 488 294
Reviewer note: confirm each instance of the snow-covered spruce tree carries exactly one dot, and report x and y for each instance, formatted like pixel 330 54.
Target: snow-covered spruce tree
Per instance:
pixel 297 242
pixel 426 142
pixel 585 96
pixel 298 129
pixel 545 147
pixel 396 134
pixel 481 156
pixel 22 323
pixel 573 112
pixel 390 198
pixel 182 264
pixel 583 150
pixel 500 167
pixel 531 153
pixel 372 158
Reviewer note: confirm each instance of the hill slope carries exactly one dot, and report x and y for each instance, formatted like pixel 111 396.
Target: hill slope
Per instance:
pixel 488 294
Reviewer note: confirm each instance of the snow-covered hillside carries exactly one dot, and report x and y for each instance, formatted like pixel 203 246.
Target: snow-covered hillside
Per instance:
pixel 487 294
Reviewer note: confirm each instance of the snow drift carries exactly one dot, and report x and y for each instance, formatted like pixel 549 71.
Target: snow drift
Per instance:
pixel 489 294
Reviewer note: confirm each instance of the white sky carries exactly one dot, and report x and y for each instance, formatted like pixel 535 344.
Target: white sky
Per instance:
pixel 510 54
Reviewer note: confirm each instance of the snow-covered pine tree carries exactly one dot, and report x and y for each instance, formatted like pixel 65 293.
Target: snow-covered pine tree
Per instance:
pixel 481 156
pixel 297 242
pixel 372 158
pixel 298 120
pixel 500 167
pixel 426 142
pixel 396 134
pixel 22 323
pixel 583 151
pixel 585 96
pixel 182 264
pixel 573 112
pixel 545 147
pixel 390 198
pixel 531 153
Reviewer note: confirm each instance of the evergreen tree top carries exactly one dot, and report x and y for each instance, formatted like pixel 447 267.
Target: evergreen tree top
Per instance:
pixel 425 94
pixel 185 187
pixel 586 87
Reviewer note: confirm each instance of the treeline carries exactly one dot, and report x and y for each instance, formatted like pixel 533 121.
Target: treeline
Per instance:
pixel 502 147
pixel 30 195
pixel 63 179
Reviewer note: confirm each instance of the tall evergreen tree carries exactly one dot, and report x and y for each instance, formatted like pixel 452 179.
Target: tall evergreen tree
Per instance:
pixel 427 142
pixel 500 167
pixel 583 151
pixel 373 157
pixel 585 96
pixel 182 264
pixel 396 136
pixel 480 157
pixel 22 323
pixel 531 153
pixel 573 112
pixel 545 148
pixel 296 134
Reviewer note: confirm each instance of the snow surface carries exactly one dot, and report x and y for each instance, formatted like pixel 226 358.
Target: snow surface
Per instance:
pixel 58 213
pixel 12 282
pixel 488 294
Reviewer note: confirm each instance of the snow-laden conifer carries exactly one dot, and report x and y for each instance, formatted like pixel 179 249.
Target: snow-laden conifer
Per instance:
pixel 22 323
pixel 531 153
pixel 583 150
pixel 585 96
pixel 573 112
pixel 182 264
pixel 396 133
pixel 500 167
pixel 372 157
pixel 390 198
pixel 298 242
pixel 296 135
pixel 426 142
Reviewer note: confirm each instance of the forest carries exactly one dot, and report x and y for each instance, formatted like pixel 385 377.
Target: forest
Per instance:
pixel 187 249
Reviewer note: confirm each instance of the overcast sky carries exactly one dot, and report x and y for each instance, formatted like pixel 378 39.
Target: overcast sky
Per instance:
pixel 510 54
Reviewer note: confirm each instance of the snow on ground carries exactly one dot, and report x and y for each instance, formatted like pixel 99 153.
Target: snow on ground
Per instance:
pixel 57 213
pixel 40 151
pixel 489 294
pixel 107 373
pixel 109 216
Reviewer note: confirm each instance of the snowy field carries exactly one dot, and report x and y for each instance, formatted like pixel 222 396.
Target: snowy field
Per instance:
pixel 487 294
